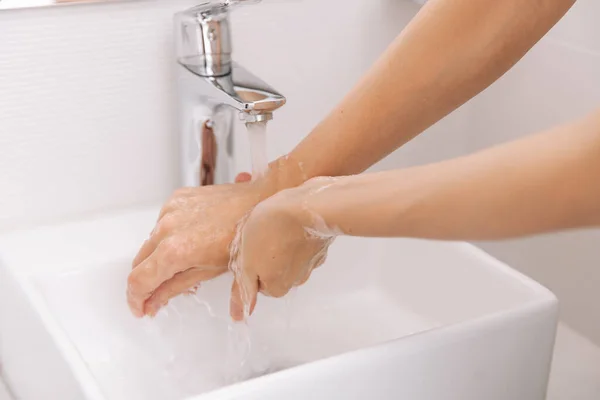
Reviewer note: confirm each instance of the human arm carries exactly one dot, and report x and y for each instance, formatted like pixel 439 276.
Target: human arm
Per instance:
pixel 449 52
pixel 546 182
pixel 542 183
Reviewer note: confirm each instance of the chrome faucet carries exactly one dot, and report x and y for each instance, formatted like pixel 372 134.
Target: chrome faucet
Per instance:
pixel 212 89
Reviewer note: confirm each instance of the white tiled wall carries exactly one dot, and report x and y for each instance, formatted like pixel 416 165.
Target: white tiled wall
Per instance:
pixel 85 108
pixel 557 81
pixel 86 119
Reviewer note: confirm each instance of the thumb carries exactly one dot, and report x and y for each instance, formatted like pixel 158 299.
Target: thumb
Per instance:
pixel 243 297
pixel 243 177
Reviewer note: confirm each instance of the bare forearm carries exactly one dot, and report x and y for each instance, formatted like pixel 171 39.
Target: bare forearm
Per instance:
pixel 451 51
pixel 547 182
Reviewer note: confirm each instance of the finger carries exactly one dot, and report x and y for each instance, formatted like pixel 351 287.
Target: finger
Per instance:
pixel 179 284
pixel 243 177
pixel 147 248
pixel 243 298
pixel 166 261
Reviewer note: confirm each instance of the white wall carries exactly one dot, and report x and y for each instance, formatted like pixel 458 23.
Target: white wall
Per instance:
pixel 557 81
pixel 86 93
pixel 324 50
pixel 85 108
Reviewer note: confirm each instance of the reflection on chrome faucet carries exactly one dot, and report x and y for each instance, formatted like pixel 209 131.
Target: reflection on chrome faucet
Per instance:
pixel 212 89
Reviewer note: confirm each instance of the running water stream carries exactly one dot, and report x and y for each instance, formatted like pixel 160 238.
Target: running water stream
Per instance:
pixel 257 132
pixel 245 358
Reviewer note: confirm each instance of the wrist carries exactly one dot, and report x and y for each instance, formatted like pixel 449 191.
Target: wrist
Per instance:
pixel 287 172
pixel 310 205
pixel 283 173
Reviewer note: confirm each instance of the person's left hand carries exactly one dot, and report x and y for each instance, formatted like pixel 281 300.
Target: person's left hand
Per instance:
pixel 190 243
pixel 277 247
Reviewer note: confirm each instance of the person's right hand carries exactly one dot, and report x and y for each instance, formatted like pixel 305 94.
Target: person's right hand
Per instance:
pixel 278 246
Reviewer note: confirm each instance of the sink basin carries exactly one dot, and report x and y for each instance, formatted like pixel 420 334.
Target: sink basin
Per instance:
pixel 382 319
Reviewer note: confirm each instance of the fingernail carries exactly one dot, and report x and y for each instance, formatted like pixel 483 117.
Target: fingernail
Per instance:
pixel 136 313
pixel 134 310
pixel 152 308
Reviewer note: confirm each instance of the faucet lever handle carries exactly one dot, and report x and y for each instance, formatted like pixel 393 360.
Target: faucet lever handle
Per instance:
pixel 241 2
pixel 203 38
pixel 210 8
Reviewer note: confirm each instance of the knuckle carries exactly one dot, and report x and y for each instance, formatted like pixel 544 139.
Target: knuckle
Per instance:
pixel 173 252
pixel 170 247
pixel 175 200
pixel 165 209
pixel 167 224
pixel 181 192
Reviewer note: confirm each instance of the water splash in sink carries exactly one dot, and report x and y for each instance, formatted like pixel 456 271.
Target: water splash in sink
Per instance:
pixel 187 350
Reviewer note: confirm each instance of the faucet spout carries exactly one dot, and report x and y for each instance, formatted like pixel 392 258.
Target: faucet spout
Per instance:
pixel 239 89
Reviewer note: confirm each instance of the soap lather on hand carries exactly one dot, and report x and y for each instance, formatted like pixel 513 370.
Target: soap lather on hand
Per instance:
pixel 173 260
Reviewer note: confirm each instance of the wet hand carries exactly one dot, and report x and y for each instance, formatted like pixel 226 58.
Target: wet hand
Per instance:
pixel 277 247
pixel 190 242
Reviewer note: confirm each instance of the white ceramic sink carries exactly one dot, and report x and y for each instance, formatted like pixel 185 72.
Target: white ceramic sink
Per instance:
pixel 382 319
